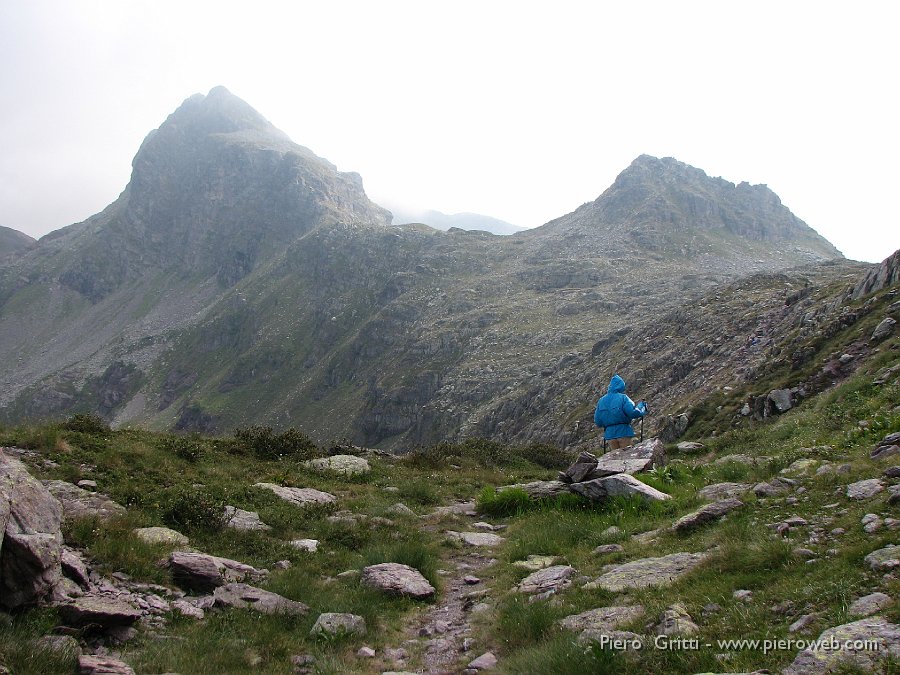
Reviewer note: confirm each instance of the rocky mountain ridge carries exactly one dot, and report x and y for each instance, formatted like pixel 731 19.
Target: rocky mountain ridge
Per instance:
pixel 239 278
pixel 13 242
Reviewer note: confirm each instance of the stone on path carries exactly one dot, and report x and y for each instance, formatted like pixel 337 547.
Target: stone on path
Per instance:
pixel 161 535
pixel 540 489
pixel 722 490
pixel 30 537
pixel 486 661
pixel 602 618
pixel 89 664
pixel 301 497
pixel 476 538
pixel 633 459
pixel 345 465
pixel 397 579
pixel 846 639
pixel 551 579
pixel 238 519
pixel 98 610
pixel 78 503
pixel 706 514
pixel 204 573
pixel 649 572
pixel 864 489
pixel 884 559
pixel 620 485
pixel 333 623
pixel 533 563
pixel 869 604
pixel 249 597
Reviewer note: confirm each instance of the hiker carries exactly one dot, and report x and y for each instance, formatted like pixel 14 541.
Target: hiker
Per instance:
pixel 614 414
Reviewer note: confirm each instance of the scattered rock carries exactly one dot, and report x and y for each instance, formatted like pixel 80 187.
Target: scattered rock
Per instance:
pixel 366 653
pixel 64 645
pixel 397 579
pixel 869 604
pixel 540 489
pixel 802 623
pixel 204 573
pixel 884 329
pixel 551 579
pixel 476 538
pixel 864 489
pixel 238 519
pixel 87 485
pixel 689 446
pixel 676 621
pixel 74 567
pixel 345 465
pixel 102 665
pixel 649 571
pixel 871 523
pixel 459 509
pixel 249 597
pixel 99 611
pixel 301 497
pixel 773 488
pixel 161 535
pixel 848 641
pixel 582 467
pixel 533 563
pixel 331 623
pixel 308 545
pixel 884 559
pixel 486 661
pixel 605 549
pixel 619 485
pixel 78 503
pixel 706 514
pixel 185 608
pixel 487 527
pixel 611 531
pixel 892 472
pixel 602 618
pixel 401 509
pixel 742 595
pixel 800 467
pixel 722 491
pixel 736 459
pixel 470 580
pixel 781 399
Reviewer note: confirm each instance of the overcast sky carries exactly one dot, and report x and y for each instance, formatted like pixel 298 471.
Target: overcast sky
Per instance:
pixel 518 110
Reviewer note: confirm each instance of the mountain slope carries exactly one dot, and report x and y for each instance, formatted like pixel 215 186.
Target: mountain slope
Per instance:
pixel 463 221
pixel 13 242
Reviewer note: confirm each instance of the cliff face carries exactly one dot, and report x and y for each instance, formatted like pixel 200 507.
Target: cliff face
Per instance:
pixel 883 275
pixel 240 279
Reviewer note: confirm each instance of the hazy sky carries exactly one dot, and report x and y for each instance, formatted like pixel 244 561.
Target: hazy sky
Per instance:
pixel 518 110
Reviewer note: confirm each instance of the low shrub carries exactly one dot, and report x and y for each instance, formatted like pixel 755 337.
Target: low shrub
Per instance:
pixel 188 509
pixel 264 443
pixel 86 423
pixel 188 448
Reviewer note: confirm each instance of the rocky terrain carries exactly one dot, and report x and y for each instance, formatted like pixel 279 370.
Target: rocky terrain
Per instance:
pixel 13 242
pixel 241 279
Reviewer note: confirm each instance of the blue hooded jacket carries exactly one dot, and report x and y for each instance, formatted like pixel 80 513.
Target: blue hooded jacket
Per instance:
pixel 615 411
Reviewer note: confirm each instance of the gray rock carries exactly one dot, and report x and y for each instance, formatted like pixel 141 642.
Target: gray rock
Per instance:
pixel 869 604
pixel 722 490
pixel 602 618
pixel 634 459
pixel 485 539
pixel 397 579
pixel 884 329
pixel 463 508
pixel 706 514
pixel 736 459
pixel 486 661
pixel 401 509
pixel 30 537
pixel 623 485
pixel 64 645
pixel 533 563
pixel 848 641
pixel 99 611
pixel 864 489
pixel 894 494
pixel 249 597
pixel 78 503
pixel 649 572
pixel 540 489
pixel 161 535
pixel 605 549
pixel 73 566
pixel 333 623
pixel 802 623
pixel 885 451
pixel 675 621
pixel 87 485
pixel 185 608
pixel 301 497
pixel 102 665
pixel 892 472
pixel 238 519
pixel 773 488
pixel 552 579
pixel 204 573
pixel 781 399
pixel 742 595
pixel 583 466
pixel 345 465
pixel 689 446
pixel 884 559
pixel 366 653
pixel 308 545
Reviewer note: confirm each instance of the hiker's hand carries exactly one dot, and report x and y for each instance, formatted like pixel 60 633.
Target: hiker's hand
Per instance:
pixel 642 406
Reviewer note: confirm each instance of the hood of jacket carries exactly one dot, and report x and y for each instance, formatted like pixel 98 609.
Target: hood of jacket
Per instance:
pixel 616 385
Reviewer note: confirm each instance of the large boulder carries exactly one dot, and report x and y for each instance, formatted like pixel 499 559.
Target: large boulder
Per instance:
pixel 540 489
pixel 238 519
pixel 649 572
pixel 161 536
pixel 707 514
pixel 301 497
pixel 250 597
pixel 397 579
pixel 204 573
pixel 619 485
pixel 345 465
pixel 31 546
pixel 634 459
pixel 865 645
pixel 338 624
pixel 78 503
pixel 98 611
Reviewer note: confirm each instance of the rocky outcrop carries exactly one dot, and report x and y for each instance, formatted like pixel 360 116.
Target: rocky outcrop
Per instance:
pixel 540 489
pixel 550 579
pixel 205 573
pixel 301 497
pixel 620 485
pixel 98 611
pixel 634 459
pixel 31 546
pixel 649 572
pixel 244 596
pixel 397 579
pixel 882 276
pixel 78 503
pixel 862 645
pixel 238 519
pixel 161 535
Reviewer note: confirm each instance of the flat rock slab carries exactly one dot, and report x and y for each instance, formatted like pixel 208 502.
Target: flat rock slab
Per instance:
pixel 333 623
pixel 722 490
pixel 249 597
pixel 864 489
pixel 689 446
pixel 161 535
pixel 540 489
pixel 78 503
pixel 580 470
pixel 620 485
pixel 649 572
pixel 102 665
pixel 846 638
pixel 100 611
pixel 602 618
pixel 553 579
pixel 301 497
pixel 884 559
pixel 477 538
pixel 238 519
pixel 486 661
pixel 533 563
pixel 205 573
pixel 773 488
pixel 458 509
pixel 397 579
pixel 706 514
pixel 345 465
pixel 641 457
pixel 869 604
